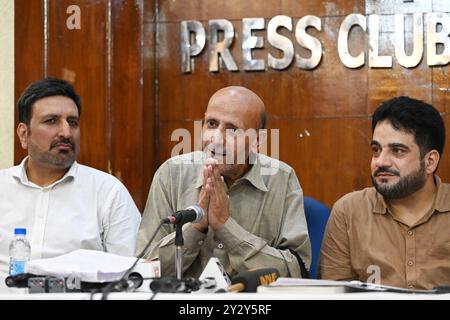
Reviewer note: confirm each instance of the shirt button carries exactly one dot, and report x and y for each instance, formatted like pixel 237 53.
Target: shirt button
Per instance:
pixel 410 233
pixel 220 246
pixel 410 263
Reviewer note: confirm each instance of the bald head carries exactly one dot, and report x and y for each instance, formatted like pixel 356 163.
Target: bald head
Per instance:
pixel 243 102
pixel 231 130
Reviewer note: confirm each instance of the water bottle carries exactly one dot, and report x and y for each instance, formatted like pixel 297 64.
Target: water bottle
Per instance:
pixel 19 252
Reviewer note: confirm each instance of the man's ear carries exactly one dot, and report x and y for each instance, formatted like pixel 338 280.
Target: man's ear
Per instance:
pixel 22 133
pixel 260 145
pixel 431 161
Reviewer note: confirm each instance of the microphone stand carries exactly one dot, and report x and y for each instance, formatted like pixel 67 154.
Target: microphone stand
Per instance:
pixel 120 284
pixel 179 242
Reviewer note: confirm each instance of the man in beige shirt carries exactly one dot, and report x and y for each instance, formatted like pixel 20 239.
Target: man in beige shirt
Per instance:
pixel 396 233
pixel 254 208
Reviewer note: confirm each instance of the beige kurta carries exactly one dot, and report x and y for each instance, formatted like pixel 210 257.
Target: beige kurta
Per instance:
pixel 363 236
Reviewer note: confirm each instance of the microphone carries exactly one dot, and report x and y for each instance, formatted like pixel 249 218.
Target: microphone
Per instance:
pixel 186 285
pixel 174 285
pixel 19 280
pixel 192 214
pixel 250 280
pixel 133 282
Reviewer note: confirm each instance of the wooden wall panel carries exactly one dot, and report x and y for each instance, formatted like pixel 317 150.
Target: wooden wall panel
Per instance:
pixel 127 135
pixel 312 93
pixel 385 83
pixel 28 53
pixel 299 93
pixel 325 166
pixel 441 89
pixel 212 9
pixel 299 8
pixel 149 115
pixel 81 57
pixel 443 170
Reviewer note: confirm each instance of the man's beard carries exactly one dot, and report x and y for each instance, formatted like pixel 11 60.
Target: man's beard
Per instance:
pixel 406 186
pixel 63 160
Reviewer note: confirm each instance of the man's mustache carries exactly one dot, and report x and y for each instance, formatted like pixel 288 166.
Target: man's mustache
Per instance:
pixel 213 148
pixel 386 170
pixel 56 143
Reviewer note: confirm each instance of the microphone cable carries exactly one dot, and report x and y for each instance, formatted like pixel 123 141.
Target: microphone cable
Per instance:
pixel 121 284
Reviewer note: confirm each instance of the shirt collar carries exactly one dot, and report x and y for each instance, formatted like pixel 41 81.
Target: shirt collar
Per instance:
pixel 380 204
pixel 440 203
pixel 199 181
pixel 253 176
pixel 20 173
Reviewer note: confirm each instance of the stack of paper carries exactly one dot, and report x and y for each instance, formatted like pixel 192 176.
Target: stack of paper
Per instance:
pixel 304 286
pixel 329 286
pixel 86 265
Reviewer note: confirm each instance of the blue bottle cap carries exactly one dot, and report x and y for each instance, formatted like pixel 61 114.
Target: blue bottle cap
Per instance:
pixel 20 231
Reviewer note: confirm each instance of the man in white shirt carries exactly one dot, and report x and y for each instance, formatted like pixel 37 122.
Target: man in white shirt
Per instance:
pixel 63 205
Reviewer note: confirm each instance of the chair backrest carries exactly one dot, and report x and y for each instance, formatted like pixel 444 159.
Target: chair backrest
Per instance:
pixel 316 218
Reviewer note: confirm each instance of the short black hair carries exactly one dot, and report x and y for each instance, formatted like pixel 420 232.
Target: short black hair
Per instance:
pixel 47 87
pixel 416 117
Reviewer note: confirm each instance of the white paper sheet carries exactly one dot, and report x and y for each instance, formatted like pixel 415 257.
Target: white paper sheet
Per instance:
pixel 87 265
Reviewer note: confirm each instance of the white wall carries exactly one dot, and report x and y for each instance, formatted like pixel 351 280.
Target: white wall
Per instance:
pixel 6 83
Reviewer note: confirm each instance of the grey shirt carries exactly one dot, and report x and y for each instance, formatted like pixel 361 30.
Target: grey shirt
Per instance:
pixel 267 220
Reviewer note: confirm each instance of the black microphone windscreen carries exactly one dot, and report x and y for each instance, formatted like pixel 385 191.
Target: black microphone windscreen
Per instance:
pixel 19 280
pixel 193 214
pixel 136 278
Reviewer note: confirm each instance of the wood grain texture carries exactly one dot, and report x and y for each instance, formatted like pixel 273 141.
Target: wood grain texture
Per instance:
pixel 149 113
pixel 28 53
pixel 81 57
pixel 201 10
pixel 127 132
pixel 299 8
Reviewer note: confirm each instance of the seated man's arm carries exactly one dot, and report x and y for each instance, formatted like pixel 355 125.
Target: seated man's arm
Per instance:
pixel 247 251
pixel 121 223
pixel 335 262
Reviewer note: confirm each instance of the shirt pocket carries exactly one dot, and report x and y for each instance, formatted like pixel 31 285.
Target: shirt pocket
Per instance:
pixel 441 251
